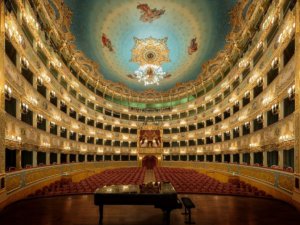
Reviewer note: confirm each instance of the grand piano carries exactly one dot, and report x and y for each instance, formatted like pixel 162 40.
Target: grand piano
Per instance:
pixel 161 195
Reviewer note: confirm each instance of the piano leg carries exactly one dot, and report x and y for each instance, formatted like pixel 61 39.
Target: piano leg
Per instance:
pixel 167 216
pixel 100 214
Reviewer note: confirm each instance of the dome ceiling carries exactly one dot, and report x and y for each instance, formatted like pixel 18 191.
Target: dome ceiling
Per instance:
pixel 143 43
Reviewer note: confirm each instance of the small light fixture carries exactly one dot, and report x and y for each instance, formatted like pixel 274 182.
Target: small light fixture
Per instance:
pixel 259 118
pixel 274 109
pixel 8 92
pixel 39 81
pixel 274 63
pixel 24 108
pixel 40 118
pixel 259 82
pixel 24 62
pixel 291 92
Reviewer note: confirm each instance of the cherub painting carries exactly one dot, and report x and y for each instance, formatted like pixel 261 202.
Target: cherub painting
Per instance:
pixel 106 42
pixel 193 46
pixel 148 14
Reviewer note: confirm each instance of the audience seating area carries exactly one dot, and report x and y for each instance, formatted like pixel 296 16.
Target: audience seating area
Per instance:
pixel 90 184
pixel 186 181
pixel 189 181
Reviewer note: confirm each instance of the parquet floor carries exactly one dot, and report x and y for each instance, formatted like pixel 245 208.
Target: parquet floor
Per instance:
pixel 210 210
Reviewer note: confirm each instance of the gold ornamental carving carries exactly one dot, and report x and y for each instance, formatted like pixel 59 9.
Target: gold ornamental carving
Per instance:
pixel 150 51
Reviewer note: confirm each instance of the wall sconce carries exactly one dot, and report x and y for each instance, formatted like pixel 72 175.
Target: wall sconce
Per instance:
pixel 259 45
pixel 236 103
pixel 291 92
pixel 40 45
pixel 247 94
pixel 259 82
pixel 24 62
pixel 62 103
pixel 259 118
pixel 57 117
pixel 45 78
pixel 52 94
pixel 285 137
pixel 274 109
pixel 40 118
pixel 13 33
pixel 33 100
pixel 46 144
pixel 224 127
pixel 270 20
pixel 14 138
pixel 8 92
pixel 52 124
pixel 39 81
pixel 252 145
pixel 24 108
pixel 236 129
pixel 274 63
pixel 244 63
pixel 288 31
pixel 247 125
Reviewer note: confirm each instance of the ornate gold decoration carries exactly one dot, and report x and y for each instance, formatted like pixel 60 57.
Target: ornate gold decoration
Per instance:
pixel 150 54
pixel 150 51
pixel 61 32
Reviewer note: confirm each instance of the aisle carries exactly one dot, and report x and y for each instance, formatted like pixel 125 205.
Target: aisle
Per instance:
pixel 149 176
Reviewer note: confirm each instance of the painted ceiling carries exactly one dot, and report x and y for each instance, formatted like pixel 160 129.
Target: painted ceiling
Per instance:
pixel 193 30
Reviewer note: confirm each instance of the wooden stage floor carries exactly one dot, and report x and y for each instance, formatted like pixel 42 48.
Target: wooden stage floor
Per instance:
pixel 210 210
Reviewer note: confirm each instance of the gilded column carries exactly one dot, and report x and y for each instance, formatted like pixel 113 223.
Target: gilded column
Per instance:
pixel 297 90
pixel 2 83
pixel 58 158
pixel 296 193
pixel 265 158
pixel 280 159
pixel 68 158
pixel 47 158
pixel 34 159
pixel 251 158
pixel 240 158
pixel 19 159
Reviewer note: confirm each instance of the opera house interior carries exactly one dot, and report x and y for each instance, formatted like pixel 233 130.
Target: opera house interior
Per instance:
pixel 149 112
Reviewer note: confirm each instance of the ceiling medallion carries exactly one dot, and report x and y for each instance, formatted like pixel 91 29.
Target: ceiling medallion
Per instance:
pixel 150 54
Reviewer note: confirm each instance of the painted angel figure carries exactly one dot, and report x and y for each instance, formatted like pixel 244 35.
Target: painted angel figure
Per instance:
pixel 106 42
pixel 193 46
pixel 148 14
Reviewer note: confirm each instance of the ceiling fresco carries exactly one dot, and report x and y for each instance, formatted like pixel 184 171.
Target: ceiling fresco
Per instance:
pixel 150 44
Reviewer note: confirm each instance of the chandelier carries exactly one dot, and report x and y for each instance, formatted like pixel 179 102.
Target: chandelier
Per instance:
pixel 150 54
pixel 149 74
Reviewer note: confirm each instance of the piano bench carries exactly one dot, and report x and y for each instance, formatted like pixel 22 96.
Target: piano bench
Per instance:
pixel 188 205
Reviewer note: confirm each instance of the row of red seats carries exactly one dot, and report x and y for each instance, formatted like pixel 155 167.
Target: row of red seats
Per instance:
pixel 90 184
pixel 190 181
